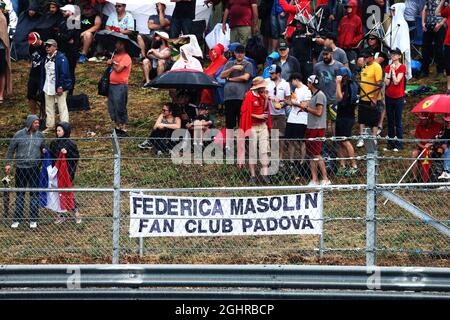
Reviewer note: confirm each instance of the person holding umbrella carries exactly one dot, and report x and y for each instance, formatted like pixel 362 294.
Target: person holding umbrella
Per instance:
pixel 118 89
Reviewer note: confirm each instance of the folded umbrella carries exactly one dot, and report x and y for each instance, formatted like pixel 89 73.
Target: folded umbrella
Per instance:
pixel 184 79
pixel 108 41
pixel 438 103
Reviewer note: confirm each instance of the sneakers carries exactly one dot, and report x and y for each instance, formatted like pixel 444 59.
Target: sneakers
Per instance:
pixel 360 143
pixel 341 171
pixel 121 133
pixel 77 217
pixel 313 184
pixel 380 129
pixel 82 59
pixel 147 85
pixel 325 182
pixel 395 150
pixel 59 220
pixel 159 153
pixel 444 176
pixel 33 225
pixel 351 171
pixel 265 179
pixel 252 180
pixel 15 225
pixel 145 145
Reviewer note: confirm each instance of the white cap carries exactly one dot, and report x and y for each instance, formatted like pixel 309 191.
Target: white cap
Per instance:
pixel 162 34
pixel 69 7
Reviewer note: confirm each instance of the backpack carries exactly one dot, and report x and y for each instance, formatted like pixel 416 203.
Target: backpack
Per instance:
pixel 78 103
pixel 255 49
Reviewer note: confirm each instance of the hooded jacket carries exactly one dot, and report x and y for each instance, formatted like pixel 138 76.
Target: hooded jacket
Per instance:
pixel 271 59
pixel 26 146
pixel 397 36
pixel 62 72
pixel 212 70
pixel 187 59
pixel 65 142
pixel 293 10
pixel 350 31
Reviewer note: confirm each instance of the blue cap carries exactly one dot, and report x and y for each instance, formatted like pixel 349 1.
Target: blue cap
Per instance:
pixel 344 72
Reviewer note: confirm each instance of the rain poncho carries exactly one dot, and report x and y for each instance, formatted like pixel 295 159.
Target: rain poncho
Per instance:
pixel 271 58
pixel 186 60
pixel 212 70
pixel 398 36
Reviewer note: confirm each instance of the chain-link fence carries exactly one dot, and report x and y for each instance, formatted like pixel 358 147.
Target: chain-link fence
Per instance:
pixel 368 216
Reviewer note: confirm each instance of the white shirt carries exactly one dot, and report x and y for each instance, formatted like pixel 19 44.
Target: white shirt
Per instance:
pixel 283 90
pixel 50 77
pixel 296 116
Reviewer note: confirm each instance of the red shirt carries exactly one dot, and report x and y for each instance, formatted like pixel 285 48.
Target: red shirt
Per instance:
pixel 240 12
pixel 257 103
pixel 446 14
pixel 122 77
pixel 428 133
pixel 396 91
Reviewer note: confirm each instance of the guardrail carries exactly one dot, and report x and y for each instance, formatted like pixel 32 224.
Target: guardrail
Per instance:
pixel 222 281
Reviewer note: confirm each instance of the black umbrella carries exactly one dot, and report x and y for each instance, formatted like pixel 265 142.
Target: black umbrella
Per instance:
pixel 108 41
pixel 184 79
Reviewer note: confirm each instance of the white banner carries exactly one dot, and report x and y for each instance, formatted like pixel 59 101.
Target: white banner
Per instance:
pixel 160 216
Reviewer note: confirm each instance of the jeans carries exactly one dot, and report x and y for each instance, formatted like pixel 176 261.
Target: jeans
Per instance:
pixel 179 25
pixel 433 45
pixel 277 25
pixel 232 113
pixel 394 110
pixel 27 177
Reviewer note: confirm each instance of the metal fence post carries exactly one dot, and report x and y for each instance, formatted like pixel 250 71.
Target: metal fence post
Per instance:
pixel 116 202
pixel 371 224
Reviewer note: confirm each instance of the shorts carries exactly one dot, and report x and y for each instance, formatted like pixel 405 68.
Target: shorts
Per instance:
pixel 33 89
pixel 277 25
pixel 314 148
pixel 332 111
pixel 368 115
pixel 279 123
pixel 447 61
pixel 295 131
pixel 344 127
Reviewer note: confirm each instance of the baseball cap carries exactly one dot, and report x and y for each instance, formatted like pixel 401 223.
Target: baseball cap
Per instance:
pixel 283 45
pixel 52 42
pixel 240 49
pixel 162 34
pixel 68 7
pixel 274 69
pixel 344 72
pixel 366 53
pixel 395 51
pixel 332 36
pixel 313 78
pixel 33 37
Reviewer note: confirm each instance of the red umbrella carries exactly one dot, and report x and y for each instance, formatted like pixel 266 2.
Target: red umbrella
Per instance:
pixel 438 103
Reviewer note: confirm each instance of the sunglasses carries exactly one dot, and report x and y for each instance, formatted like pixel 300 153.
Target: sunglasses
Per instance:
pixel 372 38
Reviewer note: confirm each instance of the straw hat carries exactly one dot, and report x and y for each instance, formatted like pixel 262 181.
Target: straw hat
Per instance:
pixel 258 83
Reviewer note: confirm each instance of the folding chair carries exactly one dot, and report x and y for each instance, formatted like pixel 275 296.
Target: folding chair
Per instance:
pixel 417 42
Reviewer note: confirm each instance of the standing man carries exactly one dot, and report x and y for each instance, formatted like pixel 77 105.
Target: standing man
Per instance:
pixel 237 74
pixel 337 53
pixel 118 88
pixel 413 8
pixel 182 17
pixel 26 145
pixel 243 16
pixel 369 108
pixel 434 28
pixel 37 57
pixel 444 11
pixel 289 64
pixel 255 123
pixel 121 20
pixel 317 124
pixel 279 91
pixel 350 33
pixel 56 81
pixel 326 72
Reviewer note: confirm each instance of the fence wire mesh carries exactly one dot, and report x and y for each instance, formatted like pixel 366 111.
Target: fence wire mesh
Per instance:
pixel 402 237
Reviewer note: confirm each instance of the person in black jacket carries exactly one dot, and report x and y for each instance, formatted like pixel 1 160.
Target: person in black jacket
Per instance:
pixel 67 146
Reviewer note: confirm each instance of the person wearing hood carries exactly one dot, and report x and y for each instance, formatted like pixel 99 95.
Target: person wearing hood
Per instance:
pixel 397 35
pixel 26 149
pixel 350 32
pixel 272 58
pixel 238 75
pixel 69 148
pixel 187 60
pixel 302 45
pixel 217 62
pixel 301 8
pixel 434 28
pixel 373 41
pixel 444 11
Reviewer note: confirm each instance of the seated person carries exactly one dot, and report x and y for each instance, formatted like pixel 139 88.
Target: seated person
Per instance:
pixel 121 20
pixel 156 22
pixel 200 124
pixel 187 60
pixel 160 136
pixel 158 58
pixel 90 24
pixel 426 129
